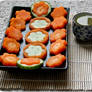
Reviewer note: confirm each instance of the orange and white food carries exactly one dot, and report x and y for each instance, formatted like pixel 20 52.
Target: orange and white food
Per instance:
pixel 40 9
pixel 29 63
pixel 9 59
pixel 14 33
pixel 58 46
pixel 58 34
pixel 55 61
pixel 18 23
pixel 40 22
pixel 37 36
pixel 58 12
pixel 11 45
pixel 23 14
pixel 35 50
pixel 59 22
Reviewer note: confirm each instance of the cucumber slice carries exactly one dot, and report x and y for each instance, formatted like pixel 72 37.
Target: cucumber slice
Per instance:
pixel 89 21
pixel 32 6
pixel 29 67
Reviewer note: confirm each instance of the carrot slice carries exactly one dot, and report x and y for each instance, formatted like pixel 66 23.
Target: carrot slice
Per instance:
pixel 57 34
pixel 58 46
pixel 14 33
pixel 23 14
pixel 55 61
pixel 11 45
pixel 40 8
pixel 58 12
pixel 59 22
pixel 37 38
pixel 9 59
pixel 18 23
pixel 30 61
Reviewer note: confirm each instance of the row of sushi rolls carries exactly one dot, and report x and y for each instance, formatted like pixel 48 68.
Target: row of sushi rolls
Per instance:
pixel 35 50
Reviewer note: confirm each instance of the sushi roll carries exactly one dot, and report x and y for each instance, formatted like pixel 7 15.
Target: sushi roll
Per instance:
pixel 37 35
pixel 23 14
pixel 58 46
pixel 29 63
pixel 18 23
pixel 57 34
pixel 55 61
pixel 40 22
pixel 11 45
pixel 40 9
pixel 14 33
pixel 35 50
pixel 9 59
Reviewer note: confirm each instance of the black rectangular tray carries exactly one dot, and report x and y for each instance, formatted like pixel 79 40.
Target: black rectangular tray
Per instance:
pixel 23 43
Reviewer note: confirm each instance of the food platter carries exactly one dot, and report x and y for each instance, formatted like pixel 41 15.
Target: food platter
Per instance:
pixel 23 43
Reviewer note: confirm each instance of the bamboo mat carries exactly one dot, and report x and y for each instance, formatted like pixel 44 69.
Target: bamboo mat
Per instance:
pixel 79 73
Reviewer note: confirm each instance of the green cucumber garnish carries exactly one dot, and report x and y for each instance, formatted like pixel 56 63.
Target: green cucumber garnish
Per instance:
pixel 29 67
pixel 42 15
